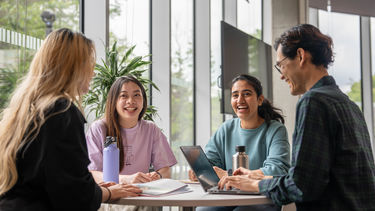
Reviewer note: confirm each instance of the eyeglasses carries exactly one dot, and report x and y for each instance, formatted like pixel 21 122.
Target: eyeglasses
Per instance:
pixel 277 65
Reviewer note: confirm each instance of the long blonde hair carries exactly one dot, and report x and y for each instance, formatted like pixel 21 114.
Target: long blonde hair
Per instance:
pixel 62 65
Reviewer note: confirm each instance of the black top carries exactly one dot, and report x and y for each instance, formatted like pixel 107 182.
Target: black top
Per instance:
pixel 52 170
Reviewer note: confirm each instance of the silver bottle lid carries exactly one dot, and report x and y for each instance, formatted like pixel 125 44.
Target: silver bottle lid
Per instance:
pixel 109 140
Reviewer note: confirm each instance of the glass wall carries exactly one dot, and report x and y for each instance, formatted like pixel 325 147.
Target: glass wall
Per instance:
pixel 182 82
pixel 129 24
pixel 22 31
pixel 249 17
pixel 346 69
pixel 216 16
pixel 372 26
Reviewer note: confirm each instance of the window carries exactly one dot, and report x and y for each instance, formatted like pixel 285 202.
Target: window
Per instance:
pixel 344 29
pixel 22 31
pixel 129 24
pixel 372 26
pixel 249 17
pixel 182 102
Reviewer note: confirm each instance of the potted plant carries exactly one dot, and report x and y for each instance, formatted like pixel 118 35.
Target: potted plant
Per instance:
pixel 112 68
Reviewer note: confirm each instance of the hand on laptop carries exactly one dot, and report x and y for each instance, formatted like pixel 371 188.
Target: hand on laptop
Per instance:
pixel 240 182
pixel 252 174
pixel 241 171
pixel 220 172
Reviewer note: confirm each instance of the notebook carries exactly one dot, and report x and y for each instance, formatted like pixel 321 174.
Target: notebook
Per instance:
pixel 204 171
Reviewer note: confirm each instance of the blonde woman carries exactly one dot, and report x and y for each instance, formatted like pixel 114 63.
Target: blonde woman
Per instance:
pixel 43 152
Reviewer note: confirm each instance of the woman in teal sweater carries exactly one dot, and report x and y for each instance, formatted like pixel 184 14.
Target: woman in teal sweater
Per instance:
pixel 259 127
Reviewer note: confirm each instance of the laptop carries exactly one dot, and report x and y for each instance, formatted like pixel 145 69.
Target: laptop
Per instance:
pixel 205 173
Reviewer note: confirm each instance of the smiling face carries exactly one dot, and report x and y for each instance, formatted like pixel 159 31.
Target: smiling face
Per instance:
pixel 130 102
pixel 291 72
pixel 245 101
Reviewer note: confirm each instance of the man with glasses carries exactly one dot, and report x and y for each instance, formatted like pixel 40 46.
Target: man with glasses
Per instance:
pixel 332 161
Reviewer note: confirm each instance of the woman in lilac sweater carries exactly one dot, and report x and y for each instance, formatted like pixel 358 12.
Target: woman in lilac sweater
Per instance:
pixel 141 142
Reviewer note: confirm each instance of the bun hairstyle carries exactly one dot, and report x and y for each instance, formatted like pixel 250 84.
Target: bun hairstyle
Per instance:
pixel 266 110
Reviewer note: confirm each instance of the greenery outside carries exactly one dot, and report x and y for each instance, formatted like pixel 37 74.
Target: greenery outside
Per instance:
pixel 24 17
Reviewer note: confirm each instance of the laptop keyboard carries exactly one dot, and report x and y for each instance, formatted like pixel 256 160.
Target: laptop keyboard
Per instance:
pixel 216 189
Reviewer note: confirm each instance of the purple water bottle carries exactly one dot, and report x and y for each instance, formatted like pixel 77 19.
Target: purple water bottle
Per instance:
pixel 111 159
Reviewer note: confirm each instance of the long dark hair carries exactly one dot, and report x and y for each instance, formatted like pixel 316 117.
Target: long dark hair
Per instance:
pixel 111 116
pixel 266 110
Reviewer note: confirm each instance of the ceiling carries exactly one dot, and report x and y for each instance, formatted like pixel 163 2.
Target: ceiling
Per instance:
pixel 357 7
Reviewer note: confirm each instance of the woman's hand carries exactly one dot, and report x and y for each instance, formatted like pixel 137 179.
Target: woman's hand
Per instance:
pixel 123 191
pixel 106 184
pixel 154 176
pixel 240 182
pixel 135 178
pixel 220 172
pixel 192 176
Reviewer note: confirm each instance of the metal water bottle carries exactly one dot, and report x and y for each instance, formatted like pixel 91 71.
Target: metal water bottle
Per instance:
pixel 111 159
pixel 240 158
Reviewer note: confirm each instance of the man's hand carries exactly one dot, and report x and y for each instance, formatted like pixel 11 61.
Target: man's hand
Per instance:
pixel 241 171
pixel 252 174
pixel 258 175
pixel 240 182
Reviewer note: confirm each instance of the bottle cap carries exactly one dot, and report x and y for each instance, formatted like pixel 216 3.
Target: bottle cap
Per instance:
pixel 109 140
pixel 240 148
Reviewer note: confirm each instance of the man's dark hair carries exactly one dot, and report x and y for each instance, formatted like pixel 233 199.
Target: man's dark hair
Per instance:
pixel 309 38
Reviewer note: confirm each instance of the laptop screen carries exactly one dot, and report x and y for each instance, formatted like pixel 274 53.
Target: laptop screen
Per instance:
pixel 201 166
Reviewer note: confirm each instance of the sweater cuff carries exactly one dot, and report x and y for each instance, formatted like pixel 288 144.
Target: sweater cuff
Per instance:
pixel 97 197
pixel 266 171
pixel 263 185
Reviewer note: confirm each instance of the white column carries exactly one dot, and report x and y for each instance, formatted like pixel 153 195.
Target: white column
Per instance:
pixel 285 14
pixel 202 72
pixel 367 103
pixel 95 26
pixel 230 12
pixel 160 50
pixel 267 21
pixel 313 17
